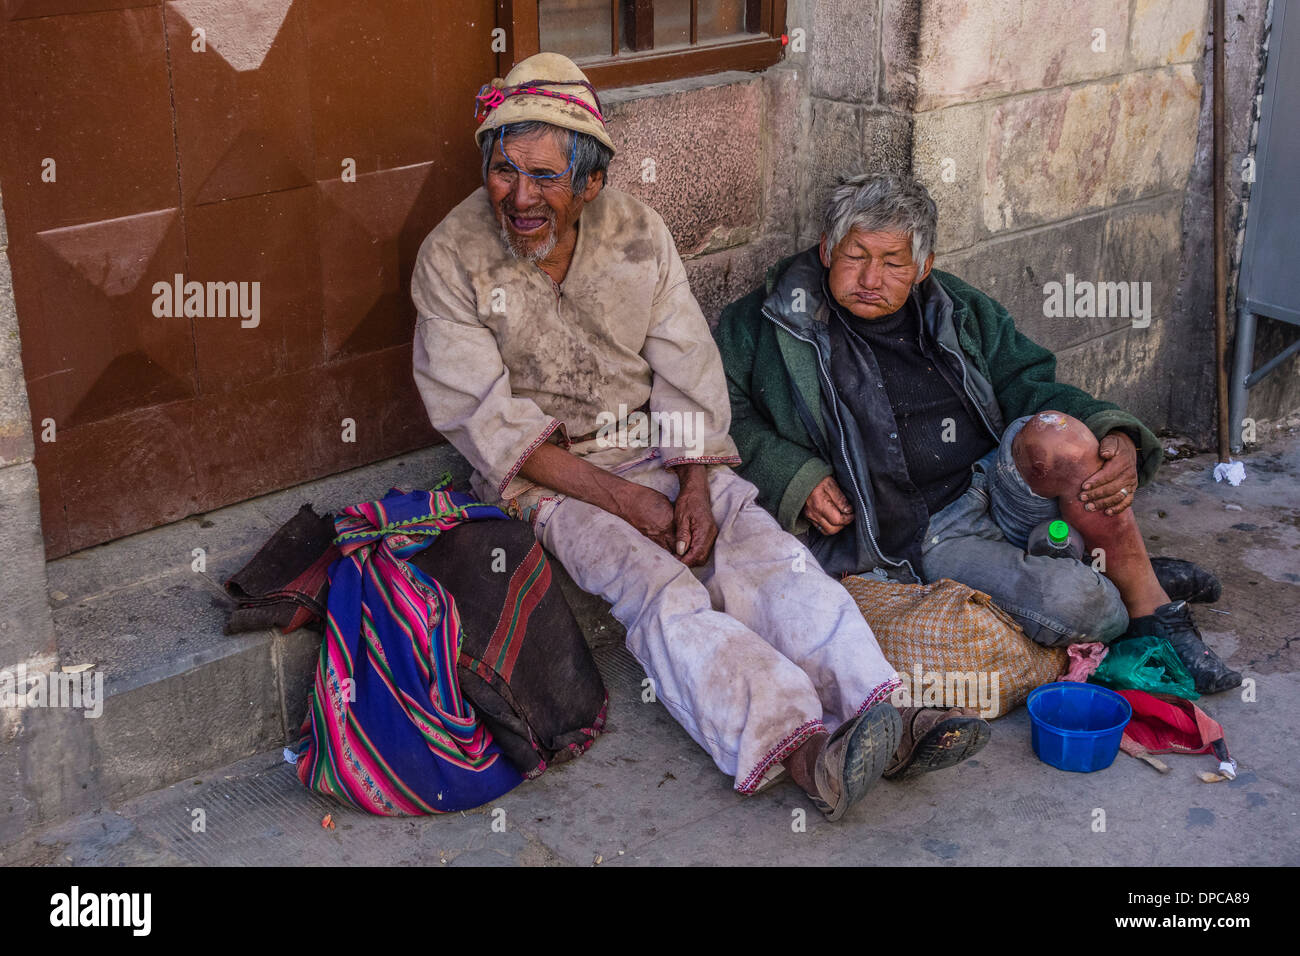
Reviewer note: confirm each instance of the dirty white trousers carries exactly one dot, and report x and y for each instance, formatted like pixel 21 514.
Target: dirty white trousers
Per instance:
pixel 753 652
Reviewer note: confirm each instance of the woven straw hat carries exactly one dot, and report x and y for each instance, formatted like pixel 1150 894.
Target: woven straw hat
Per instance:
pixel 557 82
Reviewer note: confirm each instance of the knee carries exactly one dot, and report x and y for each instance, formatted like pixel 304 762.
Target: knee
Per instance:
pixel 1090 611
pixel 1054 452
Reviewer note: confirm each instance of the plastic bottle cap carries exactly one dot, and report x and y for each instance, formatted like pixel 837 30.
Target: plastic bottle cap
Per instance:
pixel 1059 532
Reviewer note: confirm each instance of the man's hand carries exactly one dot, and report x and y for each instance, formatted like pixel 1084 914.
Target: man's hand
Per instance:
pixel 643 508
pixel 693 516
pixel 1111 487
pixel 652 514
pixel 827 508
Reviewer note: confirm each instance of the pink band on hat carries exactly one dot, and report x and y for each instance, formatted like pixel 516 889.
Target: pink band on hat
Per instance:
pixel 486 102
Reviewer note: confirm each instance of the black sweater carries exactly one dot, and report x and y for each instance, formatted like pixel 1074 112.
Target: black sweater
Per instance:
pixel 937 434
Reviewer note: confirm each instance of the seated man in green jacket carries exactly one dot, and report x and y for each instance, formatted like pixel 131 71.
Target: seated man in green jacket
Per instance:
pixel 896 415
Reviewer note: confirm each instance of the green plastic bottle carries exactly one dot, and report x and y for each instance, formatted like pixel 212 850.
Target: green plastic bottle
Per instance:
pixel 1056 539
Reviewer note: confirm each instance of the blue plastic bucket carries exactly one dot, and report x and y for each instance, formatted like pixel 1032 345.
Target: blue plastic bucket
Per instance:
pixel 1077 726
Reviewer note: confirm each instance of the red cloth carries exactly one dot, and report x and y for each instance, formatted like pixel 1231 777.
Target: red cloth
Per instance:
pixel 1163 723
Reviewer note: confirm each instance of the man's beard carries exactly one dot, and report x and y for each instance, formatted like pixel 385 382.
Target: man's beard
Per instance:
pixel 518 246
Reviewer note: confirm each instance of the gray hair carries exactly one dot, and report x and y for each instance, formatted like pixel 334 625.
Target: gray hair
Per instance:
pixel 882 202
pixel 590 155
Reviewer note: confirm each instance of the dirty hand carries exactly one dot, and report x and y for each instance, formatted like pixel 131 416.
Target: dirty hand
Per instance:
pixel 652 514
pixel 827 508
pixel 693 514
pixel 1111 487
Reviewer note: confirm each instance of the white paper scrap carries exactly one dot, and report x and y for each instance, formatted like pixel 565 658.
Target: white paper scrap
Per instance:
pixel 1232 469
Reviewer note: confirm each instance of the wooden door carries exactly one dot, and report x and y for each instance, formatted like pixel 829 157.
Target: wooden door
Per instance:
pixel 284 159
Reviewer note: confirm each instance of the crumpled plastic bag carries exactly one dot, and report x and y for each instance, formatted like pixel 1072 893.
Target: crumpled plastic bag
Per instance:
pixel 1232 470
pixel 1145 663
pixel 1084 661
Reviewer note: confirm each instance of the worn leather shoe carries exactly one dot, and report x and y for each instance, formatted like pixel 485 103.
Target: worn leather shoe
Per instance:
pixel 934 739
pixel 854 759
pixel 1174 623
pixel 1185 581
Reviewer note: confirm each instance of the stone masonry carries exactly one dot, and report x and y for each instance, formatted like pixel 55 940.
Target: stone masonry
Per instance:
pixel 1062 146
pixel 30 741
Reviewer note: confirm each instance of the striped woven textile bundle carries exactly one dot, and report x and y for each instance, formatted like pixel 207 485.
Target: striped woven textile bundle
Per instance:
pixel 387 728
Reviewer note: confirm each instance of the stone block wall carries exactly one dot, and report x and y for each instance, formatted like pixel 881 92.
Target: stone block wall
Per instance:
pixel 1058 140
pixel 861 91
pixel 713 156
pixel 25 628
pixel 29 740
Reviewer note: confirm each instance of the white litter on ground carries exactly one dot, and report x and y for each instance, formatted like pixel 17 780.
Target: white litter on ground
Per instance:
pixel 1233 470
pixel 290 756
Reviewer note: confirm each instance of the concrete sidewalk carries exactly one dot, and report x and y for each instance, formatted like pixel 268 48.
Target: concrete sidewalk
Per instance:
pixel 646 794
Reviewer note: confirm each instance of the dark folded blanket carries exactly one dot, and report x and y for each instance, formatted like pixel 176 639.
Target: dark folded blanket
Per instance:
pixel 524 662
pixel 286 583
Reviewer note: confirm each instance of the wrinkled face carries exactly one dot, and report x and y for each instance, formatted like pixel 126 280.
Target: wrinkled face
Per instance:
pixel 871 273
pixel 535 214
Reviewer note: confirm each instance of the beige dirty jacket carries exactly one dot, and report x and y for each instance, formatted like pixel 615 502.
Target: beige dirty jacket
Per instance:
pixel 505 359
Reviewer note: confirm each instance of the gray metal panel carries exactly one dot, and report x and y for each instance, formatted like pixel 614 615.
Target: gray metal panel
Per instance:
pixel 1270 275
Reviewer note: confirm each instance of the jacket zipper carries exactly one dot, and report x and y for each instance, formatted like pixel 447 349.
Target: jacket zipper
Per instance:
pixel 965 387
pixel 866 515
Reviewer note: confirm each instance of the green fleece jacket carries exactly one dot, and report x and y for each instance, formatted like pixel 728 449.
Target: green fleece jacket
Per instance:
pixel 765 364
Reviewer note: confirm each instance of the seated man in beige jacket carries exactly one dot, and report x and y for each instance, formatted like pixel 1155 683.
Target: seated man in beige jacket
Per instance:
pixel 559 349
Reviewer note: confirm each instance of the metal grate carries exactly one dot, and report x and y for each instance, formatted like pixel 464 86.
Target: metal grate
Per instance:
pixel 248 820
pixel 618 668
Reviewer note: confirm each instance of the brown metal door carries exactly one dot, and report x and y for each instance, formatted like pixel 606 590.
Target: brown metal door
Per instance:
pixel 288 156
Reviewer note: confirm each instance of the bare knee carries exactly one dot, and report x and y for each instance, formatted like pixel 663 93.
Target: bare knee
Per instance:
pixel 1054 453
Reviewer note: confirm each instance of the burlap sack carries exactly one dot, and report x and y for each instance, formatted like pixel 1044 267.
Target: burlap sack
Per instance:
pixel 948 641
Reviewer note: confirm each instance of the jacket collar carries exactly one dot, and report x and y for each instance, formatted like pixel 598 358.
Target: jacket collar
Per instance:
pixel 794 292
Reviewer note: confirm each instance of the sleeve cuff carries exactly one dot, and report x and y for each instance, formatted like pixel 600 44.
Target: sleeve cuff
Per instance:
pixel 789 514
pixel 504 486
pixel 702 460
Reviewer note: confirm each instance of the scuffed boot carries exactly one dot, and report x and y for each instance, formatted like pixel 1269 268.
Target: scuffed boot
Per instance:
pixel 1174 623
pixel 934 739
pixel 1185 581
